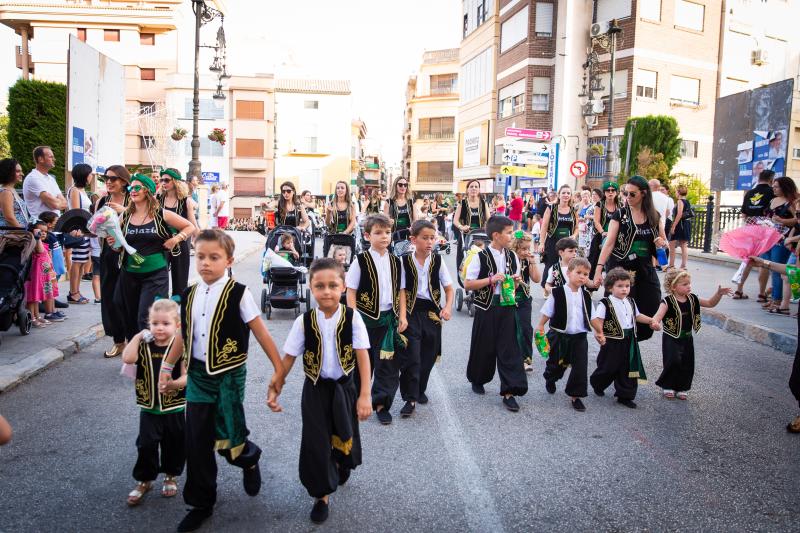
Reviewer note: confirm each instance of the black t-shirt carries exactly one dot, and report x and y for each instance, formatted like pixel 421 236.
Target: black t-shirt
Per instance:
pixel 145 238
pixel 686 317
pixel 756 200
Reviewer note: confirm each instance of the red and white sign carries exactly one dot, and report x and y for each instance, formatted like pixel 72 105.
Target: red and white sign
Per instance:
pixel 539 135
pixel 579 169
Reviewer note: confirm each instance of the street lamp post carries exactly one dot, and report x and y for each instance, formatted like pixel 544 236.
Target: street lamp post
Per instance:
pixel 612 32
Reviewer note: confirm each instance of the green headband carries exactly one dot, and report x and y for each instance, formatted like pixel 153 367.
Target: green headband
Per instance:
pixel 171 172
pixel 611 184
pixel 144 180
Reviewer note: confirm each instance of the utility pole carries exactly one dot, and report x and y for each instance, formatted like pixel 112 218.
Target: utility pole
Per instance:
pixel 612 32
pixel 628 147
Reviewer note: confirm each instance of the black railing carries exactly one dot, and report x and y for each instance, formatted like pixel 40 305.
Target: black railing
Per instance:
pixel 703 227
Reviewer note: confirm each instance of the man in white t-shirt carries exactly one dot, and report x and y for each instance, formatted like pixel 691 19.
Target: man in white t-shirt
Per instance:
pixel 660 200
pixel 40 189
pixel 222 210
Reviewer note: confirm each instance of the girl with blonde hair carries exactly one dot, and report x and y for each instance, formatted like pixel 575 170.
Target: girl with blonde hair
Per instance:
pixel 174 197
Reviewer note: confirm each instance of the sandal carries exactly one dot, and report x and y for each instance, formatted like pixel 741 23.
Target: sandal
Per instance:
pixel 779 311
pixel 681 396
pixel 170 487
pixel 669 394
pixel 136 495
pixel 762 298
pixel 794 425
pixel 39 322
pixel 739 295
pixel 80 300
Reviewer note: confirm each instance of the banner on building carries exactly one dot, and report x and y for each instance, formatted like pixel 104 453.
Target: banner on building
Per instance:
pixel 471 156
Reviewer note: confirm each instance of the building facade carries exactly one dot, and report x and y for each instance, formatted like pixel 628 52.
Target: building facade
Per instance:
pixel 429 140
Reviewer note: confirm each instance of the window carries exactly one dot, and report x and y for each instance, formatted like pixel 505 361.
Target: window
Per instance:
pixel 82 34
pixel 146 107
pixel 249 186
pixel 310 145
pixel 684 91
pixel 146 141
pixel 466 25
pixel 250 109
pixel 437 128
pixel 147 74
pixel 646 81
pixel 612 9
pixel 544 19
pixel 249 147
pixel 511 99
pixel 476 76
pixel 689 15
pixel 435 171
pixel 541 94
pixel 311 104
pixel 444 84
pixel 208 148
pixel 795 153
pixel 620 84
pixel 147 39
pixel 111 35
pixel 481 14
pixel 514 30
pixel 650 9
pixel 209 109
pixel 475 13
pixel 688 149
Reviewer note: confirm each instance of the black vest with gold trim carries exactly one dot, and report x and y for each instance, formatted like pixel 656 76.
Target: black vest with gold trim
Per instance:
pixel 612 328
pixel 673 320
pixel 627 233
pixel 412 277
pixel 368 294
pixel 558 321
pixel 552 224
pixel 148 367
pixel 559 279
pixel 483 296
pixel 525 274
pixel 162 229
pixel 465 216
pixel 312 357
pixel 228 336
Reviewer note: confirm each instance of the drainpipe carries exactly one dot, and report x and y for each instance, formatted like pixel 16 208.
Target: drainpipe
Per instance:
pixel 25 65
pixel 722 16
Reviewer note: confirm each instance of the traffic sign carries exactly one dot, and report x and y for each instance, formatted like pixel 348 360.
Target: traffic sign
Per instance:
pixel 210 177
pixel 520 133
pixel 528 172
pixel 579 169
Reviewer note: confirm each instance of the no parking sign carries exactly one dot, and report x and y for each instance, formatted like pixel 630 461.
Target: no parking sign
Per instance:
pixel 579 169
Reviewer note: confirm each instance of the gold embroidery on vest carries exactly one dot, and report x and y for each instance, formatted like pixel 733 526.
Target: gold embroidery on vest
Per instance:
pixel 346 358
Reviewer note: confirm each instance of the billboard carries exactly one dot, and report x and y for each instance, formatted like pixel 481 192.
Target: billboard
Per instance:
pixel 471 156
pixel 95 109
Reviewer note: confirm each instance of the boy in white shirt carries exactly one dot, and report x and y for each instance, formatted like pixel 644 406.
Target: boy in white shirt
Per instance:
pixel 556 275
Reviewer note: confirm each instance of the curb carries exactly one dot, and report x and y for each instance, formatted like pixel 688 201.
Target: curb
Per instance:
pixel 13 375
pixel 777 340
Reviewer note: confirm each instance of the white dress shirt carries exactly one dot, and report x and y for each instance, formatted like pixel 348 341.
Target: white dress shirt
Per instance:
pixel 205 302
pixel 625 314
pixel 474 267
pixel 384 269
pixel 295 345
pixel 423 290
pixel 574 310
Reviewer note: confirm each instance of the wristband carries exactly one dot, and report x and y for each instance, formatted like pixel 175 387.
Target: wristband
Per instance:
pixel 167 368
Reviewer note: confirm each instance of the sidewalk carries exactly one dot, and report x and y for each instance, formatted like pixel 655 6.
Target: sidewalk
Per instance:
pixel 24 356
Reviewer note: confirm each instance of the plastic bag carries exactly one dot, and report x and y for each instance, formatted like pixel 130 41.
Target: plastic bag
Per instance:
pixel 793 273
pixel 542 344
pixel 508 293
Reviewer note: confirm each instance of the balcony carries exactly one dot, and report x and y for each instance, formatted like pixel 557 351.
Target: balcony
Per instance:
pixel 435 179
pixel 18 57
pixel 433 136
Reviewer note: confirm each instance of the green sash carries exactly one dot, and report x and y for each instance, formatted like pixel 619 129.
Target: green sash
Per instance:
pixel 640 248
pixel 389 321
pixel 151 263
pixel 635 365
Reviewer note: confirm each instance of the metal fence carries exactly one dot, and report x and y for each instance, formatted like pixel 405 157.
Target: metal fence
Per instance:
pixel 706 231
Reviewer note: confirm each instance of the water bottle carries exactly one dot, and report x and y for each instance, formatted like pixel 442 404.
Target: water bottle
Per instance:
pixel 661 255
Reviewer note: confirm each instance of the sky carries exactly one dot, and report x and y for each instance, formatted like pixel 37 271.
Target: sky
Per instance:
pixel 376 44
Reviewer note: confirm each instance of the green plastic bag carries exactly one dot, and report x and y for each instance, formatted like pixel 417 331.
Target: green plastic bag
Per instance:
pixel 508 293
pixel 542 344
pixel 793 273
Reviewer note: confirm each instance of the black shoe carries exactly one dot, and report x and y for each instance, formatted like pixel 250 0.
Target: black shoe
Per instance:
pixel 385 418
pixel 577 404
pixel 478 389
pixel 550 387
pixel 194 519
pixel 61 305
pixel 319 513
pixel 344 474
pixel 86 277
pixel 627 403
pixel 407 410
pixel 511 404
pixel 251 479
pixel 422 398
pixel 598 391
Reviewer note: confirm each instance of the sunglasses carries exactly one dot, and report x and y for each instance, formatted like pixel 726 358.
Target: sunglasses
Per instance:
pixel 285 191
pixel 135 188
pixel 165 180
pixel 630 194
pixel 611 190
pixel 403 185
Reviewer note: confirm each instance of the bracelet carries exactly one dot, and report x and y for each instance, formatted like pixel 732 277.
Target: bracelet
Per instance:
pixel 167 368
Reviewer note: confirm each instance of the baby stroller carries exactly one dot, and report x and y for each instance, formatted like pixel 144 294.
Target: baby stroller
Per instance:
pixel 462 295
pixel 16 248
pixel 284 284
pixel 401 242
pixel 333 241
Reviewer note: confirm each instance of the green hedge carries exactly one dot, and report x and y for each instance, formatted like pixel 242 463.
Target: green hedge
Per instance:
pixel 37 113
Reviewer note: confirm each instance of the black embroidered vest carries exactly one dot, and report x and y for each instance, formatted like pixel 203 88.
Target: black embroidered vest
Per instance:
pixel 483 296
pixel 627 234
pixel 558 321
pixel 162 228
pixel 612 328
pixel 368 295
pixel 552 224
pixel 525 274
pixel 465 216
pixel 228 336
pixel 673 321
pixel 148 367
pixel 434 287
pixel 180 207
pixel 312 357
pixel 559 279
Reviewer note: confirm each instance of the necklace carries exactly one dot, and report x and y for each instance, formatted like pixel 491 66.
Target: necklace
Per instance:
pixel 143 219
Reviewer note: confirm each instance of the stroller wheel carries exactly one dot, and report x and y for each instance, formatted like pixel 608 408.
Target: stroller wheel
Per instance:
pixel 24 321
pixel 264 300
pixel 268 311
pixel 459 299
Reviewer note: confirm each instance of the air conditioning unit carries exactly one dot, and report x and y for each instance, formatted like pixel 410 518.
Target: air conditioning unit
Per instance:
pixel 599 28
pixel 758 57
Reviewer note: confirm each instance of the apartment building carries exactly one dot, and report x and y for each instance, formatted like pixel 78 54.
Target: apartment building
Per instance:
pixel 429 150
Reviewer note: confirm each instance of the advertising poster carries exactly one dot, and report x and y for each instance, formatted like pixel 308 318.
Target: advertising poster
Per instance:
pixel 768 153
pixel 77 145
pixel 472 148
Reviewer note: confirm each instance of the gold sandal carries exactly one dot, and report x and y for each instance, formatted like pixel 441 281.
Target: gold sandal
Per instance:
pixel 114 351
pixel 135 496
pixel 170 487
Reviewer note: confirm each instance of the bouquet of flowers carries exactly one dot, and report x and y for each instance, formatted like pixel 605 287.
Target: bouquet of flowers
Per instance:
pixel 105 223
pixel 754 239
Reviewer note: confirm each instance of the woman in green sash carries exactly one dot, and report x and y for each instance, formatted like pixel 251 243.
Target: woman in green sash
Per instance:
pixel 559 221
pixel 602 216
pixel 144 275
pixel 400 206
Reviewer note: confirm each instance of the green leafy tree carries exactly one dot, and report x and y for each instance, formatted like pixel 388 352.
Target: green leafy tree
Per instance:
pixel 698 191
pixel 658 132
pixel 5 149
pixel 37 113
pixel 652 166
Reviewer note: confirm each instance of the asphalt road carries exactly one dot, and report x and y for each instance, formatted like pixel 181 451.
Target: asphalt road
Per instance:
pixel 721 461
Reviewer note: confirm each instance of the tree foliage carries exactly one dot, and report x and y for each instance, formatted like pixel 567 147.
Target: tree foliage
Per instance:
pixel 697 189
pixel 37 113
pixel 5 149
pixel 651 165
pixel 658 132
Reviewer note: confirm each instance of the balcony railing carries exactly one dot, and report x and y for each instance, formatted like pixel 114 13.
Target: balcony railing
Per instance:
pixel 445 136
pixel 435 179
pixel 18 57
pixel 440 91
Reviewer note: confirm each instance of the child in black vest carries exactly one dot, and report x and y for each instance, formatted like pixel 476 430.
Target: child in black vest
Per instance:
pixel 568 310
pixel 614 321
pixel 217 316
pixel 333 342
pixel 421 313
pixel 530 274
pixel 556 275
pixel 373 288
pixel 679 314
pixel 161 418
pixel 494 339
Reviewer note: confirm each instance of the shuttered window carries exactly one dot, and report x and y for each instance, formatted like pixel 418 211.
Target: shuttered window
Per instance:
pixel 148 74
pixel 541 94
pixel 544 19
pixel 650 9
pixel 250 109
pixel 248 186
pixel 514 30
pixel 249 147
pixel 689 15
pixel 613 9
pixel 684 90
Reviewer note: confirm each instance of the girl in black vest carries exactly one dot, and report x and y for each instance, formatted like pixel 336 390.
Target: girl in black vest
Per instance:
pixel 290 210
pixel 439 208
pixel 161 418
pixel 602 216
pixel 471 214
pixel 634 233
pixel 341 213
pixel 174 196
pixel 530 274
pixel 679 314
pixel 116 179
pixel 331 406
pixel 143 276
pixel 559 221
pixel 400 206
pixel 373 207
